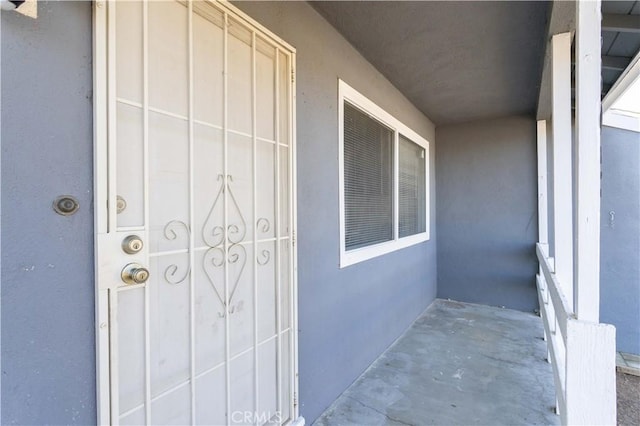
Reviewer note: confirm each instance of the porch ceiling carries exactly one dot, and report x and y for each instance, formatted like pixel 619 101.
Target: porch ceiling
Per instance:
pixel 618 47
pixel 456 61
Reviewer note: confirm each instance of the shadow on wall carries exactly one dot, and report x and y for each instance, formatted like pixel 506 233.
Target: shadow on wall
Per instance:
pixel 486 188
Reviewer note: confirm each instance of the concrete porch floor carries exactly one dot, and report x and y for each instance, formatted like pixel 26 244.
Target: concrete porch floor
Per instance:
pixel 458 363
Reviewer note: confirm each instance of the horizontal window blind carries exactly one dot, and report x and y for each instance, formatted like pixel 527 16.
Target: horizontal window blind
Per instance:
pixel 368 180
pixel 411 188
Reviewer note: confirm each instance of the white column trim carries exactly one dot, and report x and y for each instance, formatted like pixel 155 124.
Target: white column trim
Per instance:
pixel 587 280
pixel 543 215
pixel 562 161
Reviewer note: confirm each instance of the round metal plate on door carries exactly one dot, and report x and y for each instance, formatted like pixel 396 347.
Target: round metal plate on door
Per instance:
pixel 66 205
pixel 134 273
pixel 121 204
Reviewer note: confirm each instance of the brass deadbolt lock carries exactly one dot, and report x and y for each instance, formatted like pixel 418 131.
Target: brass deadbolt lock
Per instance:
pixel 132 244
pixel 134 273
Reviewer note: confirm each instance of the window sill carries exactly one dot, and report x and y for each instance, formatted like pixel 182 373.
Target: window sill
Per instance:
pixel 351 257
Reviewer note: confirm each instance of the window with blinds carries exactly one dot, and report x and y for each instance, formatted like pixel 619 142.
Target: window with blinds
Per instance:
pixel 384 197
pixel 411 188
pixel 368 178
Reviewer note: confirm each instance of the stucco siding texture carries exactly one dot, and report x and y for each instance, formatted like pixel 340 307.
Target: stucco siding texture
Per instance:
pixel 48 351
pixel 487 212
pixel 620 236
pixel 347 317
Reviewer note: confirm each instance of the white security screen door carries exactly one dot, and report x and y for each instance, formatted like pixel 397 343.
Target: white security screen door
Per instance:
pixel 195 216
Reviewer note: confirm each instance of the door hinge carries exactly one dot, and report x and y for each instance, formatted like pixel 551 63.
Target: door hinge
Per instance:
pixel 295 399
pixel 293 76
pixel 293 238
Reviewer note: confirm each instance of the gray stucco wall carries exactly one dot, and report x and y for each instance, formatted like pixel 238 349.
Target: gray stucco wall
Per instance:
pixel 487 212
pixel 620 238
pixel 48 361
pixel 347 317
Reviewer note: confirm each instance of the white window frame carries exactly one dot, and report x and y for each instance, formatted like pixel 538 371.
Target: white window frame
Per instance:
pixel 357 99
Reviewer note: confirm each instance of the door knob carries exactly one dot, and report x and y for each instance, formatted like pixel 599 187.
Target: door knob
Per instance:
pixel 134 273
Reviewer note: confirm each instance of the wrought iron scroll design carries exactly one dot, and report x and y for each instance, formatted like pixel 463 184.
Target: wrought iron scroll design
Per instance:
pixel 218 253
pixel 214 237
pixel 263 257
pixel 263 225
pixel 171 231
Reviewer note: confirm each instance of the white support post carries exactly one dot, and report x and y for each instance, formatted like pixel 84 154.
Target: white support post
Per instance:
pixel 543 229
pixel 562 165
pixel 587 283
pixel 590 372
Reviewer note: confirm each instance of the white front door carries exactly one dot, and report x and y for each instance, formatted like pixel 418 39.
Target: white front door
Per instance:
pixel 195 216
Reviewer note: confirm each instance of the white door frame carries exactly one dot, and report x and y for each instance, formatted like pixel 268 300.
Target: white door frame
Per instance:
pixel 104 164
